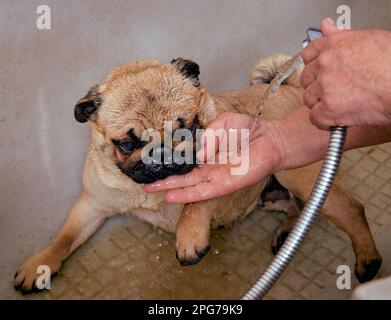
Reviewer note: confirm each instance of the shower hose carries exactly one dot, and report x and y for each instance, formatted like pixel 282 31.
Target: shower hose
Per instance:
pixel 311 209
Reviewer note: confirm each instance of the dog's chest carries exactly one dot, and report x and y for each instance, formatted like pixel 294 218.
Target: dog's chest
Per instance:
pixel 166 217
pixel 151 208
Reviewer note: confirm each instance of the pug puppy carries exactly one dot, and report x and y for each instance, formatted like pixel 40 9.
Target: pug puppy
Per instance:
pixel 145 94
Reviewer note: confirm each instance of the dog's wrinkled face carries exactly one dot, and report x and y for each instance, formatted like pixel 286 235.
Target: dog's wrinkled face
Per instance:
pixel 143 96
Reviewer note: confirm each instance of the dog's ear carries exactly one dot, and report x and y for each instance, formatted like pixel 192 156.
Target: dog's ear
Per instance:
pixel 87 106
pixel 189 69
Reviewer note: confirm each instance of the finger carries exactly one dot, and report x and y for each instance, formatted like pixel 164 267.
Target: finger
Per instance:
pixel 215 137
pixel 312 94
pixel 192 178
pixel 199 192
pixel 313 50
pixel 318 118
pixel 309 74
pixel 210 141
pixel 212 188
pixel 209 145
pixel 328 27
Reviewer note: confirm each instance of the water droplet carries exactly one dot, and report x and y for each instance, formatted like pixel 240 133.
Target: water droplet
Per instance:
pixel 157 258
pixel 159 245
pixel 165 243
pixel 160 231
pixel 216 251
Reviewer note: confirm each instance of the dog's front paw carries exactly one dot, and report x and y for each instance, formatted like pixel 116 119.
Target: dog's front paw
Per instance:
pixel 189 255
pixel 27 274
pixel 191 245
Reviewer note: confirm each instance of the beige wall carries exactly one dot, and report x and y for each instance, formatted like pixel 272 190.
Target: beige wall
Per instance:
pixel 43 73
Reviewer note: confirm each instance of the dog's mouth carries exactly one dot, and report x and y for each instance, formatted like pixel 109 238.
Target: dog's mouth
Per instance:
pixel 141 173
pixel 164 161
pixel 157 170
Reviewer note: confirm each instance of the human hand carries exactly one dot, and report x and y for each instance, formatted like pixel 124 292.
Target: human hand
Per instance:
pixel 213 180
pixel 347 77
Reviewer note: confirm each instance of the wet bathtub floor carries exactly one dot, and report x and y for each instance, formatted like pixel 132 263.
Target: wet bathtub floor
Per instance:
pixel 136 261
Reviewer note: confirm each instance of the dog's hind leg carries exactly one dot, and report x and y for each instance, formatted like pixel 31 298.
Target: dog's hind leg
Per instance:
pixel 275 197
pixel 82 221
pixel 344 211
pixel 288 207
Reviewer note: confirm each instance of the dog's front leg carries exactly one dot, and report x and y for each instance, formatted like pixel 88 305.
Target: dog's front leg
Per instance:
pixel 82 221
pixel 192 233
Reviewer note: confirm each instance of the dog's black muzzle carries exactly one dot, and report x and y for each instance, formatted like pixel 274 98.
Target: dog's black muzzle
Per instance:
pixel 162 165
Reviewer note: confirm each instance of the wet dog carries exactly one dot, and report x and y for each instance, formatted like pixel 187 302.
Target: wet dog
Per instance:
pixel 145 94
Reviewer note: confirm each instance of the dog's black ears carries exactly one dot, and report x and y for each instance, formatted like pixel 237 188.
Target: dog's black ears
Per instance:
pixel 189 69
pixel 86 107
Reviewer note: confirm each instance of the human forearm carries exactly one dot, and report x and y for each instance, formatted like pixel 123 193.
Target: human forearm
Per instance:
pixel 274 146
pixel 301 143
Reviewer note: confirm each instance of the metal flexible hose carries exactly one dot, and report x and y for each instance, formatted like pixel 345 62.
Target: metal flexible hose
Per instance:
pixel 310 211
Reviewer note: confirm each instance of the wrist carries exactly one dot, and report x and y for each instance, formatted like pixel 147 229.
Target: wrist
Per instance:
pixel 296 142
pixel 386 107
pixel 271 131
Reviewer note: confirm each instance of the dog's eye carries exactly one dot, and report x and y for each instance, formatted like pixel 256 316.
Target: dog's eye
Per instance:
pixel 126 147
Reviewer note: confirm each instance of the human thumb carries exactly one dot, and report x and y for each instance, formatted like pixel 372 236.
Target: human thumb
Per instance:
pixel 328 26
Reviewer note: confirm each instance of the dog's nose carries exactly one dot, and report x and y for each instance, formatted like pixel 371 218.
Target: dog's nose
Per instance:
pixel 160 165
pixel 161 155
